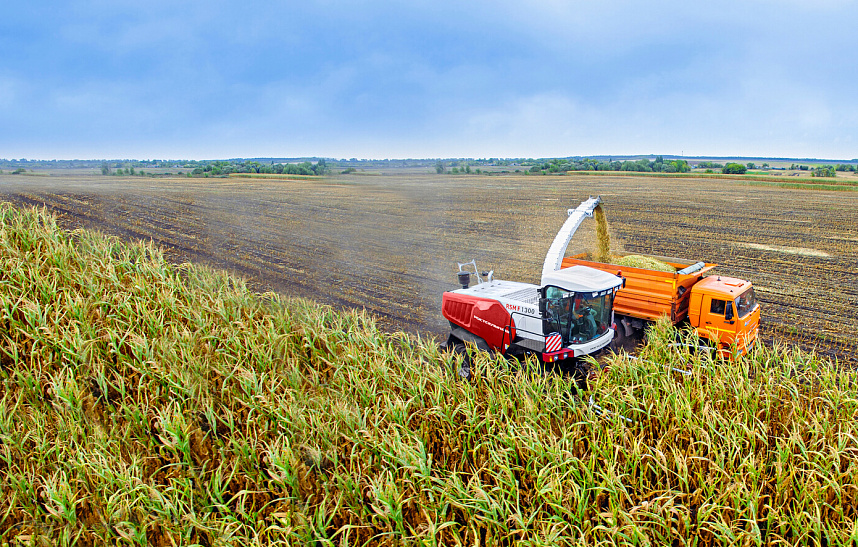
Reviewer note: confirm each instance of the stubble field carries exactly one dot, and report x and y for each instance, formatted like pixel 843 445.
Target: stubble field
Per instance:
pixel 390 242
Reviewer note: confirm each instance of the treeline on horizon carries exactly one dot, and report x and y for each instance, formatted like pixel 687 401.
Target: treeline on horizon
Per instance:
pixel 643 165
pixel 218 168
pixel 322 166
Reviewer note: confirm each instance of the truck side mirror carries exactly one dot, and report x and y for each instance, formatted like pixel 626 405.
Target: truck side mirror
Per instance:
pixel 543 306
pixel 728 313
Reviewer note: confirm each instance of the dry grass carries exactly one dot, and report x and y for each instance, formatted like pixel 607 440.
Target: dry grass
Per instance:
pixel 146 404
pixel 788 250
pixel 274 176
pixel 798 180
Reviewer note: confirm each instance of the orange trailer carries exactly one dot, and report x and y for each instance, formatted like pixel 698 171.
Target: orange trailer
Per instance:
pixel 721 309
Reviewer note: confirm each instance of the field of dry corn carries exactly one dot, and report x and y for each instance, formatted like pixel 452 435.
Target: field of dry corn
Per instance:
pixel 143 403
pixel 389 241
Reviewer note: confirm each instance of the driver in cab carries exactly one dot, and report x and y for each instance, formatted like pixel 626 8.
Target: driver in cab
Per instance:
pixel 584 317
pixel 577 316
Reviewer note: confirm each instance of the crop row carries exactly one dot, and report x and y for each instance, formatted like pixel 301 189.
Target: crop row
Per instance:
pixel 145 404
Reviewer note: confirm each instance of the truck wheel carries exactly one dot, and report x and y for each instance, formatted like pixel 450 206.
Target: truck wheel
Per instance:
pixel 628 343
pixel 619 341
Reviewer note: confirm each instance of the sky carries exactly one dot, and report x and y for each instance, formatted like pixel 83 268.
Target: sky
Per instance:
pixel 216 79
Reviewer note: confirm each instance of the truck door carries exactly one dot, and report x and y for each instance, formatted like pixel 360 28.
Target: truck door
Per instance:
pixel 720 322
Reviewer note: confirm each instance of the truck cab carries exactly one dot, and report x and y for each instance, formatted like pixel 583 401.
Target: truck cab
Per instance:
pixel 725 310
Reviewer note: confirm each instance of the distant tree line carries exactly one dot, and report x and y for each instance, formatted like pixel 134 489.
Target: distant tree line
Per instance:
pixel 562 165
pixel 825 170
pixel 220 168
pixel 128 171
pixel 112 166
pixel 457 168
pixel 225 167
pixel 643 165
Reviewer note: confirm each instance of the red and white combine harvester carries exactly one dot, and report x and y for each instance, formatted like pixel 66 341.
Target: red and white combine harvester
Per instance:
pixel 568 316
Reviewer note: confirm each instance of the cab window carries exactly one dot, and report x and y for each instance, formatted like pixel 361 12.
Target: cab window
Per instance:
pixel 746 303
pixel 578 317
pixel 718 306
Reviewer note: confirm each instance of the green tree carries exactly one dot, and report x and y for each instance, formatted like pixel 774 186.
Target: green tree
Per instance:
pixel 439 168
pixel 321 167
pixel 752 165
pixel 105 168
pixel 680 166
pixel 824 171
pixel 734 169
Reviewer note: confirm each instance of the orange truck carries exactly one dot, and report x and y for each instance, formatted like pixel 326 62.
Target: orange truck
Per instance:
pixel 721 309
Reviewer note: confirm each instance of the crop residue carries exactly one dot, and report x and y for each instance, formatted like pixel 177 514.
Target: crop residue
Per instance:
pixel 789 250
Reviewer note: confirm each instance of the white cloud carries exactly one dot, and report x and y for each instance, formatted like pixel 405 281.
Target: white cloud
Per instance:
pixel 440 78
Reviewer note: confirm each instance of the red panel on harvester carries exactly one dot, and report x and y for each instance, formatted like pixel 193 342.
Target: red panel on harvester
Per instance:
pixel 483 317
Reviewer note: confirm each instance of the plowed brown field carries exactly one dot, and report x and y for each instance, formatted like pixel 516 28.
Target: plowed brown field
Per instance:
pixel 390 242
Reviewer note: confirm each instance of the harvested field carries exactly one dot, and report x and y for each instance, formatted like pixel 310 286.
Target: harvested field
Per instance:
pixel 390 242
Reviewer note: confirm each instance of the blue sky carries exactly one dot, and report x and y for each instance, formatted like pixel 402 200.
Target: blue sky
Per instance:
pixel 420 79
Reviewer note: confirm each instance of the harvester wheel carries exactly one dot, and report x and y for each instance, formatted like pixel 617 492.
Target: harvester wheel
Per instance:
pixel 464 369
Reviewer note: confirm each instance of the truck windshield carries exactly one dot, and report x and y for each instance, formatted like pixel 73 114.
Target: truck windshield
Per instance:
pixel 578 317
pixel 746 302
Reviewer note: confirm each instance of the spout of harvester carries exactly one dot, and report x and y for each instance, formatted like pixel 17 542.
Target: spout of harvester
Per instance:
pixel 554 257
